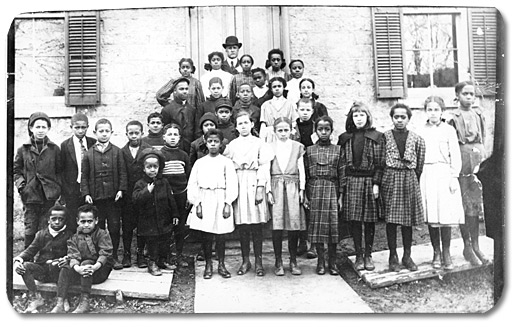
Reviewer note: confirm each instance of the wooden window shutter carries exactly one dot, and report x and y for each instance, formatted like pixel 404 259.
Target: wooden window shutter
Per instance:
pixel 483 48
pixel 388 53
pixel 82 68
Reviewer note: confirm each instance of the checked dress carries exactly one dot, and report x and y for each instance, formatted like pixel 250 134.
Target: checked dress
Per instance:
pixel 322 163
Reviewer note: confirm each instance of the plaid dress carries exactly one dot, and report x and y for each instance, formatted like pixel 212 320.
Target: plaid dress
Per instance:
pixel 400 190
pixel 322 163
pixel 357 183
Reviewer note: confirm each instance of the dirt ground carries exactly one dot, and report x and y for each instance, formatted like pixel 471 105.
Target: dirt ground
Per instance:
pixel 463 292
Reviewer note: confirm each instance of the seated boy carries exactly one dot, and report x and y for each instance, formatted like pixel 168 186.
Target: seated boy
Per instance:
pixel 90 259
pixel 50 244
pixel 157 210
pixel 155 127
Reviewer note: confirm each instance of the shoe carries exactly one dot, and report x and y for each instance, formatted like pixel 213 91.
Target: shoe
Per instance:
pixel 163 265
pixel 141 260
pixel 83 304
pixel 200 255
pixel 359 264
pixel 34 304
pixel 311 253
pixel 409 264
pixel 436 263
pixel 480 255
pixel 208 271
pixel 153 269
pixel 223 271
pixel 446 260
pixel 295 270
pixel 244 268
pixel 60 307
pixel 278 268
pixel 333 269
pixel 470 256
pixel 302 248
pixel 368 263
pixel 259 269
pixel 127 260
pixel 181 262
pixel 117 265
pixel 393 263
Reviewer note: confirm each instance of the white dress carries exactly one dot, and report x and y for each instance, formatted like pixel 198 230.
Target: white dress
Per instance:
pixel 252 160
pixel 213 182
pixel 442 165
pixel 226 78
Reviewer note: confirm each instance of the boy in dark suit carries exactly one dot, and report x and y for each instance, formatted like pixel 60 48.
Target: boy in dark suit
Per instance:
pixel 103 182
pixel 134 172
pixel 73 150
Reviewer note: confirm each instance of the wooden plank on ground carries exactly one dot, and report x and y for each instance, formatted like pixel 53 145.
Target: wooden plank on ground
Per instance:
pixel 422 256
pixel 133 282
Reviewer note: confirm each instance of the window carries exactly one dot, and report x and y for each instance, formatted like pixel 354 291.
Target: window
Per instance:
pixel 419 49
pixel 82 67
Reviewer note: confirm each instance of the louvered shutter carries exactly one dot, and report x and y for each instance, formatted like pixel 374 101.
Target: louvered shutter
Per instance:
pixel 82 71
pixel 388 53
pixel 483 48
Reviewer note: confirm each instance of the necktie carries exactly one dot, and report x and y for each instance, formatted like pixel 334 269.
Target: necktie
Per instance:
pixel 83 149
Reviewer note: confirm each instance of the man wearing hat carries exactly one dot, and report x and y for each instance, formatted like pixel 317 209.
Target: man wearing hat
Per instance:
pixel 231 64
pixel 179 111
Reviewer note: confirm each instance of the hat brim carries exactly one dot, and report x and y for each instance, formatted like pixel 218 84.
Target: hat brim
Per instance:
pixel 224 45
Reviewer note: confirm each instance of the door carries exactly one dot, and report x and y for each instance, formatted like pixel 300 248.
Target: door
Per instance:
pixel 258 28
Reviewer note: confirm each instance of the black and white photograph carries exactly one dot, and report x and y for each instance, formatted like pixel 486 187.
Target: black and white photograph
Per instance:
pixel 257 159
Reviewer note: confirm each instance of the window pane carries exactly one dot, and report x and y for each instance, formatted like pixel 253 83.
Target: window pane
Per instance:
pixel 445 74
pixel 418 68
pixel 442 31
pixel 416 35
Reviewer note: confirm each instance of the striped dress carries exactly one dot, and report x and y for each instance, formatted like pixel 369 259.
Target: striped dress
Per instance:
pixel 322 163
pixel 400 190
pixel 357 182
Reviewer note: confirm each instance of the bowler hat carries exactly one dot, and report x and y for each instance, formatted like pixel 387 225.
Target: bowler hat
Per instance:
pixel 232 41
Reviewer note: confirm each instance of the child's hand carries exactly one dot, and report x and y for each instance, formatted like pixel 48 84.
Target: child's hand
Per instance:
pixel 84 271
pixel 259 196
pixel 375 191
pixel 175 221
pixel 227 211
pixel 119 195
pixel 19 268
pixel 151 186
pixel 199 211
pixel 270 198
pixel 340 202
pixel 454 185
pixel 63 261
pixel 88 199
pixel 306 203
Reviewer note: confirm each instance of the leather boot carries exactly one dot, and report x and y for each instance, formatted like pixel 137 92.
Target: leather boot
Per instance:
pixel 257 247
pixel 59 307
pixel 117 264
pixel 468 252
pixel 36 301
pixel 302 245
pixel 83 304
pixel 357 236
pixel 220 246
pixel 277 246
pixel 311 253
pixel 391 237
pixel 245 249
pixel 474 233
pixel 206 249
pixel 293 251
pixel 446 241
pixel 407 261
pixel 369 242
pixel 320 250
pixel 141 259
pixel 435 240
pixel 333 268
pixel 127 260
pixel 153 269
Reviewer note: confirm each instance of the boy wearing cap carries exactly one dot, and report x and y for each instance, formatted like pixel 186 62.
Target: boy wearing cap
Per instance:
pixel 182 113
pixel 73 150
pixel 224 112
pixel 37 174
pixel 103 182
pixel 157 210
pixel 232 46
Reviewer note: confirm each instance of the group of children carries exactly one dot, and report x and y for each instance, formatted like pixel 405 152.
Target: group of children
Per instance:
pixel 216 164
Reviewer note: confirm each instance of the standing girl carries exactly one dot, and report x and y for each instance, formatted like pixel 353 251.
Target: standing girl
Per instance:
pixel 322 163
pixel 214 68
pixel 362 151
pixel 307 87
pixel 401 194
pixel 246 76
pixel 293 84
pixel 439 185
pixel 276 107
pixel 195 93
pixel 275 65
pixel 287 193
pixel 212 188
pixel 470 127
pixel 252 159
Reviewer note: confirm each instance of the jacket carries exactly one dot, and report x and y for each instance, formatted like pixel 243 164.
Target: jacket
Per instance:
pixel 46 246
pixel 78 248
pixel 69 165
pixel 38 175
